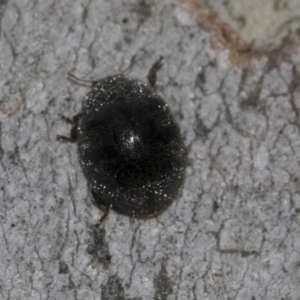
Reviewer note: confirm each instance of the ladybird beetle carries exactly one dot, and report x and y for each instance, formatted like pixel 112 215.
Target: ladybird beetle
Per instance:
pixel 130 148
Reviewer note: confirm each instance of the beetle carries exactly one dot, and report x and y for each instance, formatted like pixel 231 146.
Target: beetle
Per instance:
pixel 130 147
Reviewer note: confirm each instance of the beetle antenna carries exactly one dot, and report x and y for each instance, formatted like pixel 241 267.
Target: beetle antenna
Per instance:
pixel 132 61
pixel 90 82
pixel 81 81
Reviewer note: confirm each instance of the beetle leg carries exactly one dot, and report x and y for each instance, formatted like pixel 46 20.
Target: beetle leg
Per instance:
pixel 74 122
pixel 67 120
pixel 103 218
pixel 153 71
pixel 65 139
pixel 101 206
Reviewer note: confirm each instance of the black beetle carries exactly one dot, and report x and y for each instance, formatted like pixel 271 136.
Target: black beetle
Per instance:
pixel 130 147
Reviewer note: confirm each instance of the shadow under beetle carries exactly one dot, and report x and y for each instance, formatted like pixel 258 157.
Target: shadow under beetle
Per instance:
pixel 130 148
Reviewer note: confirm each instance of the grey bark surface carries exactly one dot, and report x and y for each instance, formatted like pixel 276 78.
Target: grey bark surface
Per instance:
pixel 233 233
